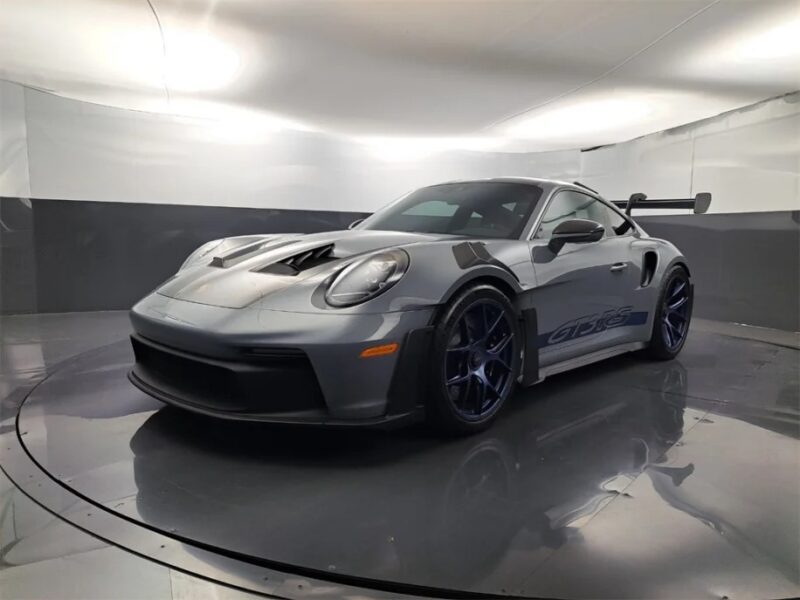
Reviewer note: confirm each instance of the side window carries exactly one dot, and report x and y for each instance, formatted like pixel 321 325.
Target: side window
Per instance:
pixel 571 205
pixel 617 224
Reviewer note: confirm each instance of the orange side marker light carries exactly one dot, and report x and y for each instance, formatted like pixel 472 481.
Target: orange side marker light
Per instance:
pixel 381 350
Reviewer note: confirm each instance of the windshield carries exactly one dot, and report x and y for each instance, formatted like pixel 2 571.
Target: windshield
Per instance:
pixel 489 209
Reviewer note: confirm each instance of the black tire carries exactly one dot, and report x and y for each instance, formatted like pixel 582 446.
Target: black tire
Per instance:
pixel 476 360
pixel 668 339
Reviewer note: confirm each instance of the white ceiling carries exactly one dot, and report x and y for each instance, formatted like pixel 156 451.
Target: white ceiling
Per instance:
pixel 515 75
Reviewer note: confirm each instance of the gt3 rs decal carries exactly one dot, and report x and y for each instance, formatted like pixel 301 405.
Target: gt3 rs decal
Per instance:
pixel 591 324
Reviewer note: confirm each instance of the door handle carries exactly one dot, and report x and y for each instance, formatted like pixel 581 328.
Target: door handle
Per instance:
pixel 617 267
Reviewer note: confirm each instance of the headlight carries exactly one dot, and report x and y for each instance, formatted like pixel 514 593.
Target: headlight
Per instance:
pixel 367 278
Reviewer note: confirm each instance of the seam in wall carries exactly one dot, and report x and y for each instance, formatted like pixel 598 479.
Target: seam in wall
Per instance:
pixel 27 143
pixel 163 52
pixel 609 71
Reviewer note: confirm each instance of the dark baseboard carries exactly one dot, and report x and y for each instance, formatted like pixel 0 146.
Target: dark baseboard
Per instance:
pixel 66 256
pixel 745 266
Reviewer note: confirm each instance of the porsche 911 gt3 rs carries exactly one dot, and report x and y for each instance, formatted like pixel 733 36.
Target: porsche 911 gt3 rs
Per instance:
pixel 436 306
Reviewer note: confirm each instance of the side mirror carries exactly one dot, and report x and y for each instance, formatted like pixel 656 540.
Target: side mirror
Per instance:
pixel 575 231
pixel 355 223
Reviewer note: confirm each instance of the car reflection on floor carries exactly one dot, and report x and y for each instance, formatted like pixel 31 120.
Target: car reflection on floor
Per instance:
pixel 406 506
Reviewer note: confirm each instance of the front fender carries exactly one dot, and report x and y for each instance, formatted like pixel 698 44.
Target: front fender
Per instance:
pixel 502 275
pixel 436 271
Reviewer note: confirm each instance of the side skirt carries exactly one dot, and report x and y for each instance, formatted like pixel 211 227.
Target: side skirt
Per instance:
pixel 587 359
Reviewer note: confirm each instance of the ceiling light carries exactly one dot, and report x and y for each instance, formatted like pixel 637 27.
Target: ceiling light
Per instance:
pixel 189 61
pixel 779 41
pixel 764 51
pixel 196 61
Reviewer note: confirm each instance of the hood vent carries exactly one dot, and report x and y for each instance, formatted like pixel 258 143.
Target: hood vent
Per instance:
pixel 244 252
pixel 236 255
pixel 300 262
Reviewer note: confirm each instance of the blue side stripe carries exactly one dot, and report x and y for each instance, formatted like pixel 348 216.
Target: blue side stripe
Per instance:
pixel 582 327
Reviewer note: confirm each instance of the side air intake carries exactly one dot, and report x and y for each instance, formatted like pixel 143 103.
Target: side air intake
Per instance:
pixel 300 262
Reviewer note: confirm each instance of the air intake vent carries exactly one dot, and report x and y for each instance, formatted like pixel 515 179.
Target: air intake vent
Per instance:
pixel 301 262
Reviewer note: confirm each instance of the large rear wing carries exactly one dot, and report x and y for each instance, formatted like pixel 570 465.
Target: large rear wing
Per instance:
pixel 699 204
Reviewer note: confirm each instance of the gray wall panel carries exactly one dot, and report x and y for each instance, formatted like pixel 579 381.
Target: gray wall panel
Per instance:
pixel 17 256
pixel 74 256
pixel 745 266
pixel 106 255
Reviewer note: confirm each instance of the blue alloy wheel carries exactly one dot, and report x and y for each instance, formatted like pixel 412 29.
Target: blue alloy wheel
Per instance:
pixel 478 359
pixel 675 313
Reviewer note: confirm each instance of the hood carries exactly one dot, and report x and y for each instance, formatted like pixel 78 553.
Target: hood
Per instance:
pixel 235 275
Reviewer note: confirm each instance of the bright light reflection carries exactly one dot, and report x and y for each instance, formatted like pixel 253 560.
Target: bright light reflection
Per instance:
pixel 229 124
pixel 764 51
pixel 407 149
pixel 781 41
pixel 196 61
pixel 589 116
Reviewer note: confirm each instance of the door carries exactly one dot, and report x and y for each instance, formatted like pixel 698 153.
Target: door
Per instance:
pixel 585 297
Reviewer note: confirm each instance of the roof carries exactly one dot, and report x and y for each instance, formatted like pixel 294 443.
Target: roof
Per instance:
pixel 537 181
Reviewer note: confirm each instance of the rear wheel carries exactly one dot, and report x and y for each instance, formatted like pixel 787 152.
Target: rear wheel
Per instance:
pixel 476 360
pixel 673 314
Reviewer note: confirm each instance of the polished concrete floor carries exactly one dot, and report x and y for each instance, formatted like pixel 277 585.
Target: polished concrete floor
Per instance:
pixel 41 554
pixel 623 479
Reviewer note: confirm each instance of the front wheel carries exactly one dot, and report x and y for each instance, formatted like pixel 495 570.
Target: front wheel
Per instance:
pixel 673 314
pixel 476 360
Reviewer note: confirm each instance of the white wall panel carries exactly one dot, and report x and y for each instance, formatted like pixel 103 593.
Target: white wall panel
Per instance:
pixel 753 167
pixel 659 165
pixel 749 159
pixel 14 179
pixel 82 151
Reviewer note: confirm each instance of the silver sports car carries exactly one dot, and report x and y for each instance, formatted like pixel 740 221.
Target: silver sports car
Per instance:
pixel 435 306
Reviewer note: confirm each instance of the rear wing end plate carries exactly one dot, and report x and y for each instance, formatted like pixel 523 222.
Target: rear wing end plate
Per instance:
pixel 699 204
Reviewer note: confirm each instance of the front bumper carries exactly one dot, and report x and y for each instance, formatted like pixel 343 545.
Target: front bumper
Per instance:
pixel 263 365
